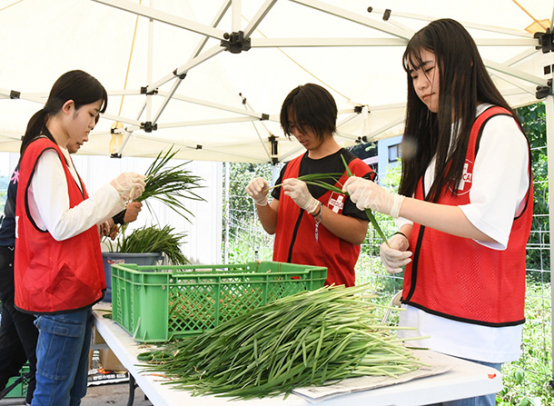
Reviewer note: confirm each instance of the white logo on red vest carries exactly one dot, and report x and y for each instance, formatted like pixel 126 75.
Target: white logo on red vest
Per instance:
pixel 467 177
pixel 336 202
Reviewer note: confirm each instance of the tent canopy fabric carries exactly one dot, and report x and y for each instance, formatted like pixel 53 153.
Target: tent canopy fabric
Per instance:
pixel 210 75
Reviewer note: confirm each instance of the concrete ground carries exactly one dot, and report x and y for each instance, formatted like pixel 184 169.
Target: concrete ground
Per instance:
pixel 113 395
pixel 99 395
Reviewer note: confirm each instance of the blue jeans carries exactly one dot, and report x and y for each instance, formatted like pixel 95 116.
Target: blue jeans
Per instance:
pixel 486 400
pixel 62 358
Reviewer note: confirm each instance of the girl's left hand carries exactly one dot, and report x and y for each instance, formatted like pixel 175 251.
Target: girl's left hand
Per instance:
pixel 394 255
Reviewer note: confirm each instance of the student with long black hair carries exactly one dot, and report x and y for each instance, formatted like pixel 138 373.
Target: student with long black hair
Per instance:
pixel 465 205
pixel 18 334
pixel 58 263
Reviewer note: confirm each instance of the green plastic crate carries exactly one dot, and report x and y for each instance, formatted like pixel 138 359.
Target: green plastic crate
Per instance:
pixel 20 391
pixel 160 303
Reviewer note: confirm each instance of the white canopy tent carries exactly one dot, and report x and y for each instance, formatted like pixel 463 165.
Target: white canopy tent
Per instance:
pixel 174 78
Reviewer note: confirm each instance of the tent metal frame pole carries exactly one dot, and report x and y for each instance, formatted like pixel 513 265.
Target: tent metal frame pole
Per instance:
pixel 258 17
pixel 150 67
pixel 381 130
pixel 247 106
pixel 215 22
pixel 227 212
pixel 356 18
pixel 163 17
pixel 552 20
pixel 211 121
pixel 549 104
pixel 236 10
pixel 520 57
pixel 216 106
pixel 244 158
pixel 538 81
pixel 203 57
pixel 326 42
pixel 166 100
pixel 481 27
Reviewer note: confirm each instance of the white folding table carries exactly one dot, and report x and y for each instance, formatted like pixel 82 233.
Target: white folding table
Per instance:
pixel 464 379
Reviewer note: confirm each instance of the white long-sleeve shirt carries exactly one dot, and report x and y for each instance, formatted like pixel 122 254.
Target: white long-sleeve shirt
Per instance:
pixel 49 200
pixel 500 183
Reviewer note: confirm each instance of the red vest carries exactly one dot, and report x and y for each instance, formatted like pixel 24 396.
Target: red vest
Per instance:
pixel 459 279
pixel 295 233
pixel 53 276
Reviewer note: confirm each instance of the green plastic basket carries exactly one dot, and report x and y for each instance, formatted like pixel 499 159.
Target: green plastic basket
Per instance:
pixel 160 303
pixel 20 391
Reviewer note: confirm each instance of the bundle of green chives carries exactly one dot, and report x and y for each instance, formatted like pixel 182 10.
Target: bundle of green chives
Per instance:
pixel 170 184
pixel 310 338
pixel 152 239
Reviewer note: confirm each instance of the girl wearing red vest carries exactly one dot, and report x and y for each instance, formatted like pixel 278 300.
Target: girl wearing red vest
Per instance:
pixel 312 225
pixel 58 264
pixel 465 205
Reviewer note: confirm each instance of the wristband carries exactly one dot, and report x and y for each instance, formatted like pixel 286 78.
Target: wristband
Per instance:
pixel 401 233
pixel 317 221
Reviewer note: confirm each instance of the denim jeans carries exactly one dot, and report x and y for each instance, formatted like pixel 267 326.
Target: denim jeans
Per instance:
pixel 62 358
pixel 486 400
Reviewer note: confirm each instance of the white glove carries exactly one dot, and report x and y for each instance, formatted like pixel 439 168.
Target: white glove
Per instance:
pixel 257 189
pixel 129 185
pixel 298 191
pixel 369 195
pixel 394 255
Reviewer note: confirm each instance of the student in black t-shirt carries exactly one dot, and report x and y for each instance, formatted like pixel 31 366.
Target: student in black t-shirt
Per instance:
pixel 313 226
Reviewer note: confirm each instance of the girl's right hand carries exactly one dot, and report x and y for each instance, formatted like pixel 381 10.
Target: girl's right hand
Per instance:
pixel 395 255
pixel 129 185
pixel 257 190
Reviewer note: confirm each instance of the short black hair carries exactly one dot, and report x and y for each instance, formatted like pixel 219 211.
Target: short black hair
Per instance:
pixel 311 106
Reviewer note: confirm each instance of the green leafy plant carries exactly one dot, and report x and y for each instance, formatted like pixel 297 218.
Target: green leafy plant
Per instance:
pixel 311 337
pixel 170 184
pixel 152 239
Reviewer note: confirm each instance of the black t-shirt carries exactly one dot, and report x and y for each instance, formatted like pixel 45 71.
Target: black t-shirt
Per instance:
pixel 329 164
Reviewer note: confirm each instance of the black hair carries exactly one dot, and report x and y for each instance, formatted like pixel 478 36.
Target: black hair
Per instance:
pixel 311 107
pixel 75 85
pixel 463 83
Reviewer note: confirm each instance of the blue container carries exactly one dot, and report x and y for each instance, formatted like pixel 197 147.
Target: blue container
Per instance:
pixel 110 258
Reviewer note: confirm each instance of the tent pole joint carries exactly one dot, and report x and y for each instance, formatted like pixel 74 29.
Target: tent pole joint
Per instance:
pixel 148 126
pixel 543 91
pixel 144 90
pixel 274 149
pixel 180 76
pixel 546 41
pixel 235 42
pixel 15 94
pixel 264 117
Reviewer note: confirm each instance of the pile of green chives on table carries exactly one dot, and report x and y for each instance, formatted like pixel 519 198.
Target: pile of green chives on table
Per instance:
pixel 310 338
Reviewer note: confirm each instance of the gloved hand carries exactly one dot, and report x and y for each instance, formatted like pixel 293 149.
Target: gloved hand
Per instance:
pixel 129 185
pixel 298 191
pixel 394 255
pixel 257 189
pixel 369 195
